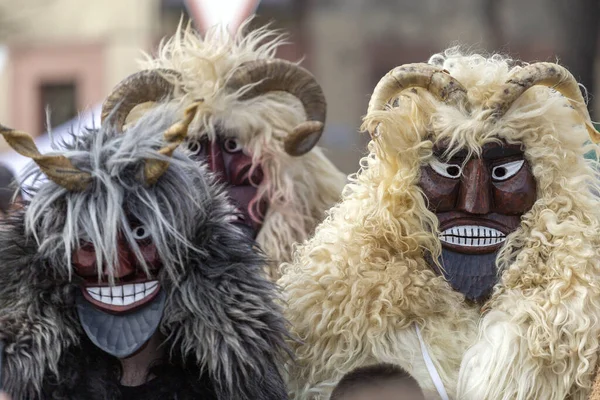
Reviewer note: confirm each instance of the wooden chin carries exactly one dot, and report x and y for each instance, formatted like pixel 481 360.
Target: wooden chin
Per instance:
pixel 472 249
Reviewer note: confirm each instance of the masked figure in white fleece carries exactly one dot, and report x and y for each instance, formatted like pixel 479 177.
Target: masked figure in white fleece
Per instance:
pixel 466 249
pixel 257 129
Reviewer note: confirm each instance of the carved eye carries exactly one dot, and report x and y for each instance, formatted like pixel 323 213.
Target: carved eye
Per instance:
pixel 140 232
pixel 86 245
pixel 504 171
pixel 195 146
pixel 232 145
pixel 451 171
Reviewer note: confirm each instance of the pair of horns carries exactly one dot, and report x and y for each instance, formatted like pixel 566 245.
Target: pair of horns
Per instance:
pixel 264 75
pixel 57 168
pixel 447 89
pixel 61 170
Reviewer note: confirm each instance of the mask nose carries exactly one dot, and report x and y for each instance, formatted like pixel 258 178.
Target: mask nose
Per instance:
pixel 125 262
pixel 474 196
pixel 216 163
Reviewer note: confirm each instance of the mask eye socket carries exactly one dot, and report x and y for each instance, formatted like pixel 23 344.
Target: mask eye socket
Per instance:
pixel 194 146
pixel 507 170
pixel 232 145
pixel 86 246
pixel 140 232
pixel 452 171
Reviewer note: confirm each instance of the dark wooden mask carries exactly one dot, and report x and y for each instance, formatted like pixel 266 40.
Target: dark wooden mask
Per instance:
pixel 480 200
pixel 233 166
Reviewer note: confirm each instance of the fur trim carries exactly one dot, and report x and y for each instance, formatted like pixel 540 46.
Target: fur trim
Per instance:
pixel 38 318
pixel 356 288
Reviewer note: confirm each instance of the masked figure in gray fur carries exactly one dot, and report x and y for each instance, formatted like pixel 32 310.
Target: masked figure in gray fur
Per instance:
pixel 127 277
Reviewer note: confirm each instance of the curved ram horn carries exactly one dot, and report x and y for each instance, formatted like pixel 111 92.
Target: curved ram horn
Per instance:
pixel 547 74
pixel 141 87
pixel 435 80
pixel 57 168
pixel 280 75
pixel 155 168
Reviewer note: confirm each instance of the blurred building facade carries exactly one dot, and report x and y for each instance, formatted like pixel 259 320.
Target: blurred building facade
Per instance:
pixel 355 42
pixel 68 54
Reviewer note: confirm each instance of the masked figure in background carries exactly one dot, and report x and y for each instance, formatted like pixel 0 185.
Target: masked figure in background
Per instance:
pixel 258 125
pixel 466 250
pixel 124 277
pixel 9 200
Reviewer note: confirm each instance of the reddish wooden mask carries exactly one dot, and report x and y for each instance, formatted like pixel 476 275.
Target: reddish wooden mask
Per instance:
pixel 226 157
pixel 133 288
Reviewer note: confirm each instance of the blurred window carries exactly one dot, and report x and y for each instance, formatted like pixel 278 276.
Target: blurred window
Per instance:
pixel 61 99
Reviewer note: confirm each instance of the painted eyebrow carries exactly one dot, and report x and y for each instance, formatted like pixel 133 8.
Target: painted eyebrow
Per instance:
pixel 488 154
pixel 460 155
pixel 501 152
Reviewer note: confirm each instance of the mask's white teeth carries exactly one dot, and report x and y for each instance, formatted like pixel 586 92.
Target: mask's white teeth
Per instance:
pixel 128 300
pixel 235 216
pixel 117 291
pixel 472 236
pixel 128 290
pixel 151 290
pixel 123 295
pixel 95 296
pixel 235 213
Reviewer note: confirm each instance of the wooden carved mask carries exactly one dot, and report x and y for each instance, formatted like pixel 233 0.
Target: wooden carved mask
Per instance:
pixel 478 202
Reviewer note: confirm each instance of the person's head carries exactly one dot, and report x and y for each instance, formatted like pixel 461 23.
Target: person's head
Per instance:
pixel 259 139
pixel 380 381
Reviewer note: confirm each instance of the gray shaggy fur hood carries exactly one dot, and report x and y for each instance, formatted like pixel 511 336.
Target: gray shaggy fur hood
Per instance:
pixel 221 322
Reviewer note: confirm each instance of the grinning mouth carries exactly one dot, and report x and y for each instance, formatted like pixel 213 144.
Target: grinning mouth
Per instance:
pixel 236 216
pixel 123 295
pixel 472 236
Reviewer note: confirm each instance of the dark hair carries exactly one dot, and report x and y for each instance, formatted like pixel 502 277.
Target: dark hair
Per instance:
pixel 368 376
pixel 7 182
